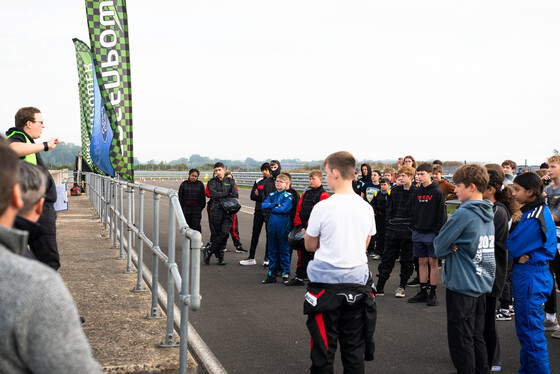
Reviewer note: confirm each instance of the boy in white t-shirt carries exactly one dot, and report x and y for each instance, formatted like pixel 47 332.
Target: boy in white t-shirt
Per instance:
pixel 340 303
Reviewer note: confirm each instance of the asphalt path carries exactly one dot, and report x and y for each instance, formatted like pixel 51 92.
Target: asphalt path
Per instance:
pixel 256 328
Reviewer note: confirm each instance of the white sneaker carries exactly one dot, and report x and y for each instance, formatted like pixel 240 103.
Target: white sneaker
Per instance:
pixel 400 292
pixel 555 334
pixel 550 325
pixel 248 261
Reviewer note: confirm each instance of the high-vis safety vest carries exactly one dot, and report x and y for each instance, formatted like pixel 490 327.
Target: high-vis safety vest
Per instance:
pixel 32 158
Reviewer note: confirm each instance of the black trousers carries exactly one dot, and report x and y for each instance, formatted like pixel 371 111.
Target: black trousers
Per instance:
pixel 380 225
pixel 395 247
pixel 465 329
pixel 45 247
pixel 490 332
pixel 506 298
pixel 220 224
pixel 345 314
pixel 258 221
pixel 193 216
pixel 303 260
pixel 234 233
pixel 550 304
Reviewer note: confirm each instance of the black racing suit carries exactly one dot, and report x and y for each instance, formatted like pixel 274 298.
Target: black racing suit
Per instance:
pixel 341 312
pixel 258 217
pixel 192 199
pixel 220 222
pixel 398 236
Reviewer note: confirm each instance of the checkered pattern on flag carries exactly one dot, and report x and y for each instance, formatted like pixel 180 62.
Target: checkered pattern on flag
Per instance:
pixel 86 90
pixel 108 32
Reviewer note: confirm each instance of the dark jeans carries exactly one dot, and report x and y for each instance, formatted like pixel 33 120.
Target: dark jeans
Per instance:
pixel 258 220
pixel 550 305
pixel 395 247
pixel 45 247
pixel 465 328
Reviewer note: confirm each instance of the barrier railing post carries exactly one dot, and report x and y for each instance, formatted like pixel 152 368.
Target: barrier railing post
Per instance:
pixel 170 336
pixel 107 201
pixel 129 231
pixel 155 261
pixel 114 185
pixel 121 220
pixel 183 329
pixel 140 249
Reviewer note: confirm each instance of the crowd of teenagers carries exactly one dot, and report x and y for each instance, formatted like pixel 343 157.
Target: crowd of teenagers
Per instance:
pixel 498 250
pixel 498 253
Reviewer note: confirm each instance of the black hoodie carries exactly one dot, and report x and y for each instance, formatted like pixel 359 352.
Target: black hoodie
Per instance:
pixel 428 209
pixel 366 178
pixel 501 233
pixel 277 171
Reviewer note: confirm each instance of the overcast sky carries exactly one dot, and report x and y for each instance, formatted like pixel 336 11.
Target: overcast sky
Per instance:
pixel 454 80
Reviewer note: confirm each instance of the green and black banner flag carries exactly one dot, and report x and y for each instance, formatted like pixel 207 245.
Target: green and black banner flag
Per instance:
pixel 87 99
pixel 108 32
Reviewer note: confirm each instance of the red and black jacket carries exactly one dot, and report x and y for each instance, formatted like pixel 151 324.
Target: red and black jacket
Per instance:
pixel 305 205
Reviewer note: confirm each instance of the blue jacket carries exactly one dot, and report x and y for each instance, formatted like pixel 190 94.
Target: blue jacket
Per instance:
pixel 471 269
pixel 534 235
pixel 280 205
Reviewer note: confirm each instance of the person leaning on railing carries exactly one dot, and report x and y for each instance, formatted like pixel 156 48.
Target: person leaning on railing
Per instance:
pixel 39 330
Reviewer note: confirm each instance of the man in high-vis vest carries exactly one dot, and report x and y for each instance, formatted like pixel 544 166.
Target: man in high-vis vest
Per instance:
pixel 28 127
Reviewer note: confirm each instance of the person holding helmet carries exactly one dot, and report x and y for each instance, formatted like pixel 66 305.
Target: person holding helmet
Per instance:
pixel 220 187
pixel 311 196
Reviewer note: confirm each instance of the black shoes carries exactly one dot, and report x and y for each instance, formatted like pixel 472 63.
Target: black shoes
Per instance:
pixel 432 299
pixel 269 279
pixel 240 249
pixel 419 298
pixel 207 254
pixel 295 282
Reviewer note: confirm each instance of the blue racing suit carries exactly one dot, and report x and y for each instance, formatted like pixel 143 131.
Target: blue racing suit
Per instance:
pixel 279 204
pixel 535 236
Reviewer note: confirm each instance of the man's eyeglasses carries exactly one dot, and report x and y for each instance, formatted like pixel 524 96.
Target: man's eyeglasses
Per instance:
pixel 277 181
pixel 41 122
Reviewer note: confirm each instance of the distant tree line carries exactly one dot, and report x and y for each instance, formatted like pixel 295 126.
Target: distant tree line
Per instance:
pixel 64 156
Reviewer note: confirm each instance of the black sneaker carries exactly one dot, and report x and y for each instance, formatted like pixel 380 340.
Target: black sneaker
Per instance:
pixel 285 278
pixel 432 299
pixel 419 298
pixel 240 249
pixel 414 283
pixel 269 279
pixel 295 282
pixel 207 255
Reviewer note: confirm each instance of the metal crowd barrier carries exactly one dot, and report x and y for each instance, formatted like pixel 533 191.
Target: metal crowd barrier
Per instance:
pixel 300 181
pixel 106 195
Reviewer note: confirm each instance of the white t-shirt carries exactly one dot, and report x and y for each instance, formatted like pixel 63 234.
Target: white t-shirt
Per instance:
pixel 344 222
